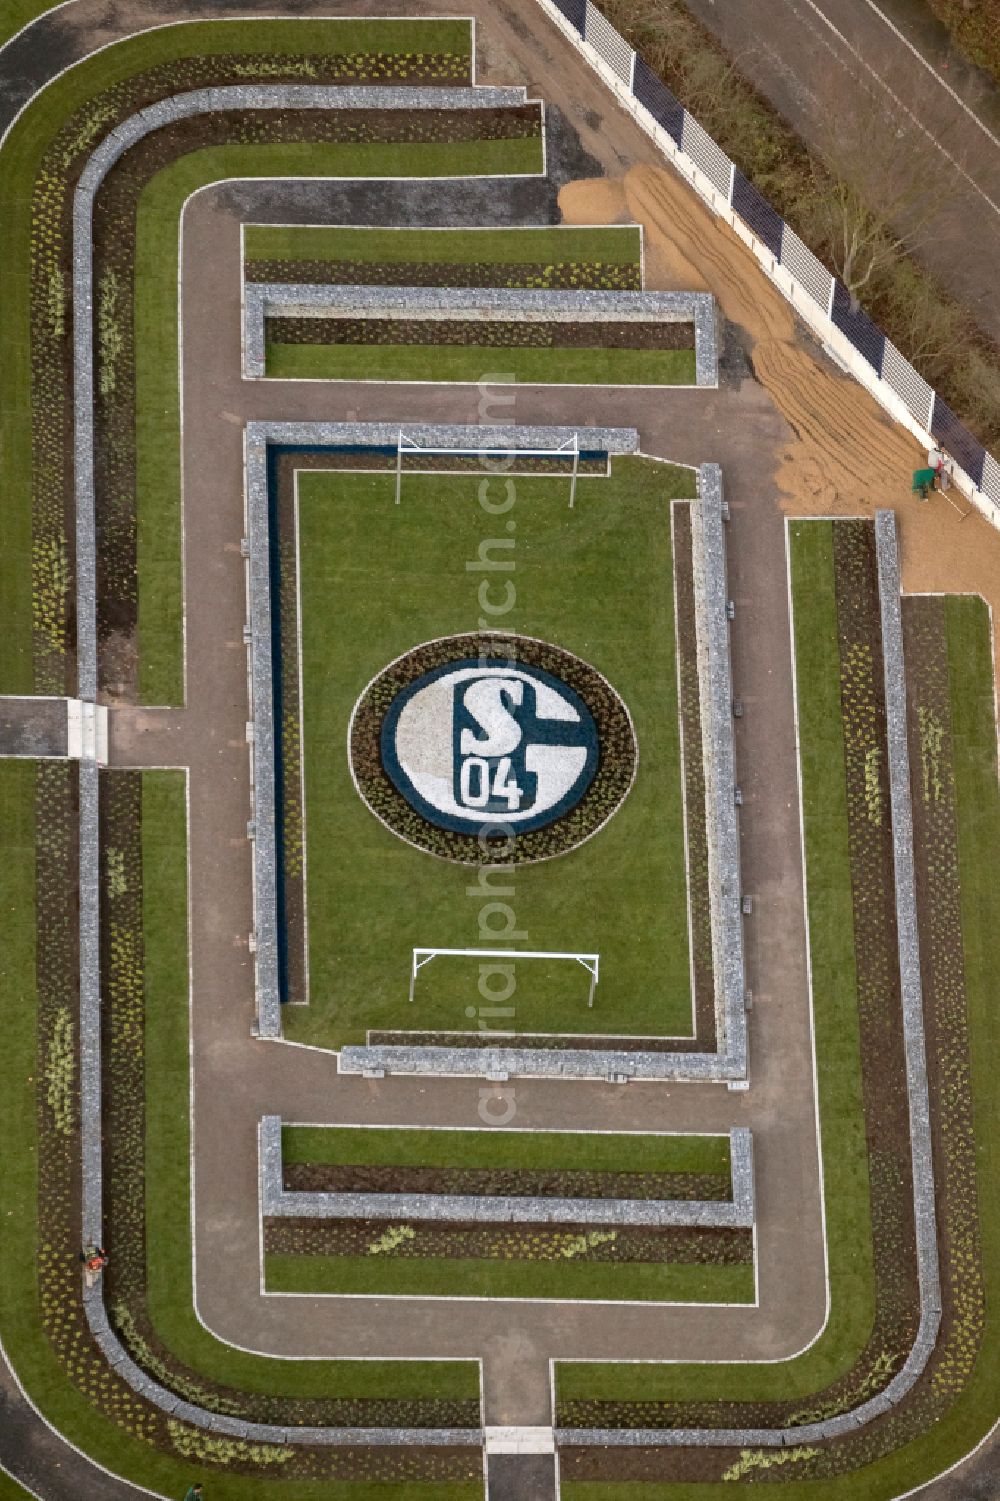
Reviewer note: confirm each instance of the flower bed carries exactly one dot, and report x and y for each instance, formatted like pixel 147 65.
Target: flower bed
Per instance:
pixel 121 394
pixel 565 276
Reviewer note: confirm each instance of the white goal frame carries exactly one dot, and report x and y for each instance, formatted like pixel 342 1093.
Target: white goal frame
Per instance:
pixel 569 449
pixel 590 962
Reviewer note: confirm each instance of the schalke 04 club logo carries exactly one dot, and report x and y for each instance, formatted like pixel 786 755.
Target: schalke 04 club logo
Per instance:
pixel 472 742
pixel 469 744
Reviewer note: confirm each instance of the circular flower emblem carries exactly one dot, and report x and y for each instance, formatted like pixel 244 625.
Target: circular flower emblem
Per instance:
pixel 492 748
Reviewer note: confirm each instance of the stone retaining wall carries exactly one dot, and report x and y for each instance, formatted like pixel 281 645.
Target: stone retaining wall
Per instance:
pixel 711 592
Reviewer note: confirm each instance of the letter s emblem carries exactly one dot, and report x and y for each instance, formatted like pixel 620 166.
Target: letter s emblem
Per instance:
pixel 489 701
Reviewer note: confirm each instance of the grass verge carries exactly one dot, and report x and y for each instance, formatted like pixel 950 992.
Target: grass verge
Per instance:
pixel 457 1277
pixel 490 1148
pixel 16 14
pixel 619 244
pixel 10 1490
pixel 595 581
pixel 437 362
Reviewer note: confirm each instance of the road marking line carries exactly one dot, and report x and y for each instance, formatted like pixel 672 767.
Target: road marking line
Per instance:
pixel 900 105
pixel 933 71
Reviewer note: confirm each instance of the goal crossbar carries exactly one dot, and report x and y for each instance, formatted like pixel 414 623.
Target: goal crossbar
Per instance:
pixel 568 449
pixel 590 962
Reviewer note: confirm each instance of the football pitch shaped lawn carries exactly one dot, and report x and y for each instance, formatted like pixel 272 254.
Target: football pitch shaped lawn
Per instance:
pixel 378 580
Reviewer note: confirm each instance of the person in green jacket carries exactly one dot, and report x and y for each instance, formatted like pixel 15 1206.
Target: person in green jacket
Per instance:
pixel 194 1493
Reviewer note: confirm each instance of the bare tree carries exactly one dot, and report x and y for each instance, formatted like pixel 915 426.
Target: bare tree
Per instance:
pixel 879 186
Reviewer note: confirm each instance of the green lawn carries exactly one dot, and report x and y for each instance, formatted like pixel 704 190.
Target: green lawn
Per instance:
pixel 20 162
pixel 378 579
pixel 845 1165
pixel 470 363
pixel 454 1277
pixel 588 1151
pixel 10 1490
pixel 560 243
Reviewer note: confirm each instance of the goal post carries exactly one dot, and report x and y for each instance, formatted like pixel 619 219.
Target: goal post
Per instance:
pixel 590 962
pixel 568 450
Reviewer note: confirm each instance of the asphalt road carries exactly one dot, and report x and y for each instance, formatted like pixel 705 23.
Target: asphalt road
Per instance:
pixel 843 66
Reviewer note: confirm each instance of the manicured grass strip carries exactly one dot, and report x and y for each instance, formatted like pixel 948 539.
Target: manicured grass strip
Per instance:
pixel 20 160
pixel 371 897
pixel 619 244
pixel 434 362
pixel 536 1150
pixel 10 1490
pixel 14 15
pixel 164 842
pixel 157 396
pixel 454 1277
pixel 835 1001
